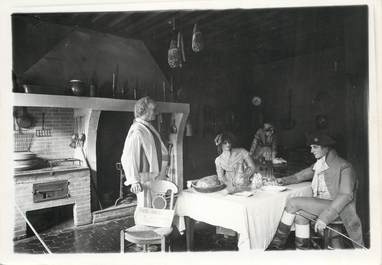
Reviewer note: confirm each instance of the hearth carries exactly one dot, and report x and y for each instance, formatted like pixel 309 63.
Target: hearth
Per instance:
pixel 56 186
pixel 50 219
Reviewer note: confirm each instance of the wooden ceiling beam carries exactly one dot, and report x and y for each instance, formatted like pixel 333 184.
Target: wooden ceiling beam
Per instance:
pixel 183 25
pixel 68 19
pixel 155 23
pixel 98 17
pixel 162 23
pixel 142 23
pixel 118 19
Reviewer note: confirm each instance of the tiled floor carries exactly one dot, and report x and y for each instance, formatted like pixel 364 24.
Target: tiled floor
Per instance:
pixel 105 238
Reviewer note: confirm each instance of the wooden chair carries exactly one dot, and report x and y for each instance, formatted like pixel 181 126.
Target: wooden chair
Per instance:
pixel 324 241
pixel 330 236
pixel 161 195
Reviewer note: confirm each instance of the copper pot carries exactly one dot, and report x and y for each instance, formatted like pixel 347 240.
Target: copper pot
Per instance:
pixel 25 120
pixel 77 87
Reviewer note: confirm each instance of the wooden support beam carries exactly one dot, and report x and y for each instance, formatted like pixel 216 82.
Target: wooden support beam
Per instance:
pixel 142 24
pixel 98 17
pixel 119 18
pixel 190 19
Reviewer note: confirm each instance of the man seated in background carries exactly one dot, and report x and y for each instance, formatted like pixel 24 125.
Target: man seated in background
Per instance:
pixel 333 188
pixel 264 144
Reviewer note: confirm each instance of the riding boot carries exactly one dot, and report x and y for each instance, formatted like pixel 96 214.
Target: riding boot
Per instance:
pixel 282 232
pixel 302 240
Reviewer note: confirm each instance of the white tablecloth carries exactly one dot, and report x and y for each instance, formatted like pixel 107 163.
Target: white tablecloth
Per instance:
pixel 255 218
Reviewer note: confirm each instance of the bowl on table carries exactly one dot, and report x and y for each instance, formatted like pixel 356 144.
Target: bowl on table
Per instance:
pixel 208 184
pixel 208 189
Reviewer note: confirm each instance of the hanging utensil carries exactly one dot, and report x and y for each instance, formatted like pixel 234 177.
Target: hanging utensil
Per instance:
pixel 43 132
pixel 25 120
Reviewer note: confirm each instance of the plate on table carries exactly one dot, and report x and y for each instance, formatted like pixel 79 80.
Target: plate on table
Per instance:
pixel 273 188
pixel 207 189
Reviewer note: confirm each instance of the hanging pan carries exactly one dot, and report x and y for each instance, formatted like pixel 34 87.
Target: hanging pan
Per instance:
pixel 25 120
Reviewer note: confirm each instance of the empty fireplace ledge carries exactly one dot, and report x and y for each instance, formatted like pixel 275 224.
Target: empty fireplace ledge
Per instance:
pixel 114 212
pixel 94 103
pixel 50 170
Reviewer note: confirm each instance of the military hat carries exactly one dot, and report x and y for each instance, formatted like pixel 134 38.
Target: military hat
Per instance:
pixel 320 139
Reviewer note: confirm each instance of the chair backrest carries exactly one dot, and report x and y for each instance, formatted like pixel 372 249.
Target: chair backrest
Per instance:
pixel 160 191
pixel 160 213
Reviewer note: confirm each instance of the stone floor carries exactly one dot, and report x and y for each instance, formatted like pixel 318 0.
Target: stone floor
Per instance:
pixel 105 238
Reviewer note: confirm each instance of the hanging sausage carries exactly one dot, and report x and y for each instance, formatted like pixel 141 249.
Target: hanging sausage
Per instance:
pixel 197 39
pixel 174 52
pixel 176 55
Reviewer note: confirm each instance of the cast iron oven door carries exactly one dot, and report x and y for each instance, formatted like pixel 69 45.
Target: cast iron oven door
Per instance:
pixel 50 191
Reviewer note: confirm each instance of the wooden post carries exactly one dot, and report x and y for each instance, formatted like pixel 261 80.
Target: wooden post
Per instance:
pixel 189 233
pixel 177 141
pixel 122 241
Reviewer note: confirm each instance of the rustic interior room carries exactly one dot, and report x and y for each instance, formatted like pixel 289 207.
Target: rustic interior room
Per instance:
pixel 78 75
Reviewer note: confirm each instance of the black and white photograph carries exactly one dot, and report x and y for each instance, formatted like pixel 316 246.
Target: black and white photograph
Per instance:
pixel 207 129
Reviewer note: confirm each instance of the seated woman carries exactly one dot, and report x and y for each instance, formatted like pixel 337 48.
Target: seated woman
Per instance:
pixel 333 188
pixel 264 144
pixel 234 166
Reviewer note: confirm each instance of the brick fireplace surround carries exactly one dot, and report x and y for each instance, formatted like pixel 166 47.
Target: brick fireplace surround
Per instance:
pixel 79 194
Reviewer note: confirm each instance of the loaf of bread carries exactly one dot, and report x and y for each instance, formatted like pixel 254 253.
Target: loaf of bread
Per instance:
pixel 208 182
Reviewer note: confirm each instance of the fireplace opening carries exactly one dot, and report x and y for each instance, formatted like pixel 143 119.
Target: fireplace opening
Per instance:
pixel 49 219
pixel 111 134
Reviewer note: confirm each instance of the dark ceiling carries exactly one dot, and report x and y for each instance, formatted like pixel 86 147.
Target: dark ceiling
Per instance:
pixel 264 34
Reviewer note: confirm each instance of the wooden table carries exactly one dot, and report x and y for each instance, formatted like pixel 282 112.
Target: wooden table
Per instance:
pixel 254 218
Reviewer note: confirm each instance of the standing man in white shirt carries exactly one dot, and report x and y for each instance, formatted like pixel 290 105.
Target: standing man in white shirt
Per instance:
pixel 145 156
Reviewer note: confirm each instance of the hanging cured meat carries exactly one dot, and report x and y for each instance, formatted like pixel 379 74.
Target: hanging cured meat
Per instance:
pixel 176 55
pixel 197 39
pixel 174 58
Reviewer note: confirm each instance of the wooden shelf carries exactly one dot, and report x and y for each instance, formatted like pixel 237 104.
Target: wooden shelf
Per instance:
pixel 108 104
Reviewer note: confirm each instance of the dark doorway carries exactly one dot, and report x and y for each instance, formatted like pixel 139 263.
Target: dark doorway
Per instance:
pixel 112 130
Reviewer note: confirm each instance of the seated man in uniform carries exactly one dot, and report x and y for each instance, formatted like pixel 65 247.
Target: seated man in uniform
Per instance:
pixel 333 187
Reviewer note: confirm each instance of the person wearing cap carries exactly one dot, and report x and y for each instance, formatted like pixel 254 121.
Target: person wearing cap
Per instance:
pixel 333 190
pixel 264 144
